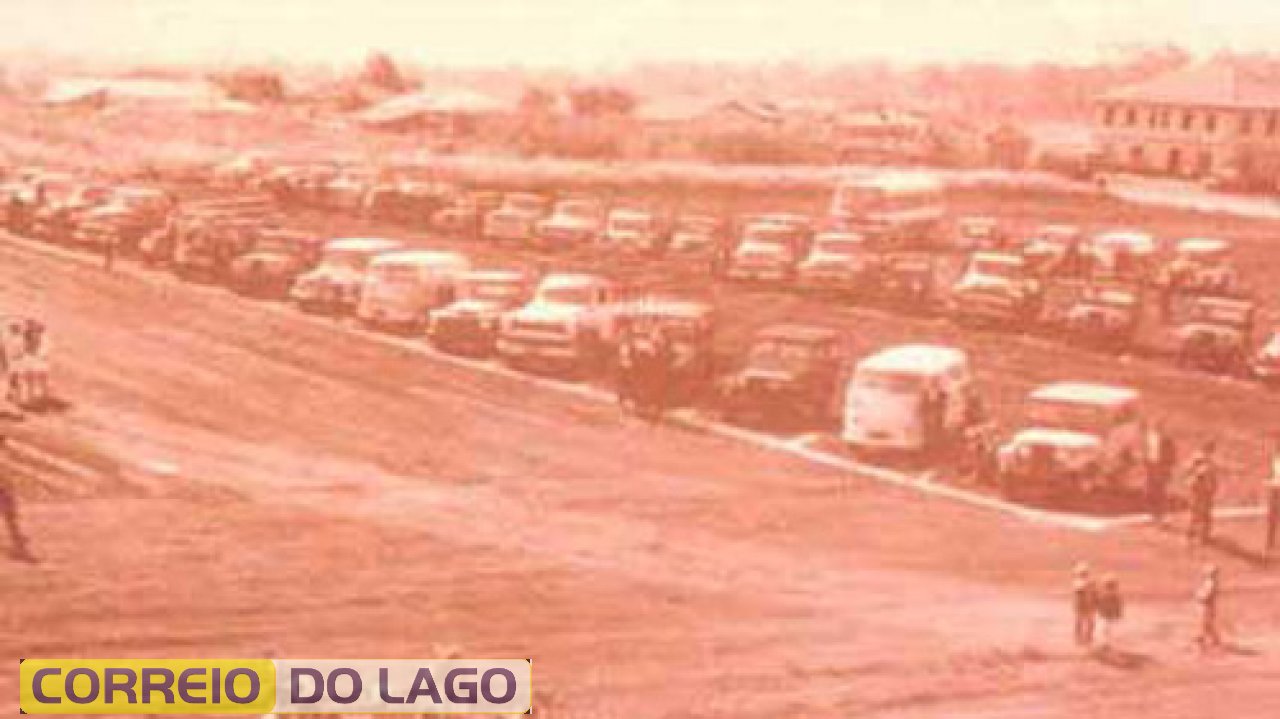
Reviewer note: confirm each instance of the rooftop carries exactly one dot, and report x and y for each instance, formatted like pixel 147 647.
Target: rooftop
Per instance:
pixel 1220 83
pixel 1085 393
pixel 914 358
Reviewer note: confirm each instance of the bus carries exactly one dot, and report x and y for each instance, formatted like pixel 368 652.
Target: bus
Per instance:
pixel 896 209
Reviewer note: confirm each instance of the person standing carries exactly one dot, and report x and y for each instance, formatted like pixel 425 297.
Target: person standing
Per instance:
pixel 9 511
pixel 1084 595
pixel 1203 489
pixel 1272 500
pixel 1207 598
pixel 1110 607
pixel 1159 458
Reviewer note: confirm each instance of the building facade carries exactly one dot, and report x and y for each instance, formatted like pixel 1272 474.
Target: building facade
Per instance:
pixel 1217 119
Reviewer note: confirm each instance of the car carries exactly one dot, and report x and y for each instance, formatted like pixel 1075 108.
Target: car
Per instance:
pixel 573 222
pixel 979 233
pixel 64 205
pixel 694 235
pixel 569 326
pixel 160 245
pixel 689 329
pixel 347 191
pixel 1123 254
pixel 469 324
pixel 1215 334
pixel 840 263
pixel 998 289
pixel 516 219
pixel 1265 363
pixel 769 250
pixel 905 280
pixel 1075 438
pixel 463 214
pixel 205 250
pixel 631 230
pixel 131 214
pixel 1056 250
pixel 1104 316
pixel 273 261
pixel 333 285
pixel 886 400
pixel 790 375
pixel 402 287
pixel 1201 266
pixel 404 201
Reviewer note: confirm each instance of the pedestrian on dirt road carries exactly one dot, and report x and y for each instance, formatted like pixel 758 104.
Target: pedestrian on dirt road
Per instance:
pixel 18 547
pixel 1203 490
pixel 1207 598
pixel 1159 458
pixel 1084 596
pixel 1110 606
pixel 1271 494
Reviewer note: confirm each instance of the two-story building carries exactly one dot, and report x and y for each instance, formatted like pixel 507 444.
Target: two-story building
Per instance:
pixel 1218 118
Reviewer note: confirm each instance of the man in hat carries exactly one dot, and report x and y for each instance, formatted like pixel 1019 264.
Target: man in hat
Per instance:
pixel 1207 599
pixel 1084 604
pixel 1203 488
pixel 9 511
pixel 1110 608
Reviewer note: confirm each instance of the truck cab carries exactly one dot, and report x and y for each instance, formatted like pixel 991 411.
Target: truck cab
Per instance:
pixel 516 219
pixel 469 324
pixel 573 222
pixel 839 262
pixel 569 325
pixel 791 373
pixel 769 250
pixel 334 284
pixel 1215 334
pixel 274 261
pixel 996 288
pixel 402 287
pixel 1075 437
pixel 631 230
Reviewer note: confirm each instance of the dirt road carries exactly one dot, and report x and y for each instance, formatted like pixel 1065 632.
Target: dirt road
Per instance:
pixel 231 479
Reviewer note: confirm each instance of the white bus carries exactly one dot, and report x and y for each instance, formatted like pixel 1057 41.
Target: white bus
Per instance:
pixel 898 208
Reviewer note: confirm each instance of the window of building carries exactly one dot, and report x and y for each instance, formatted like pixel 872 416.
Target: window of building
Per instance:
pixel 1188 119
pixel 1271 124
pixel 1108 115
pixel 1131 117
pixel 1246 123
pixel 1136 156
pixel 1211 123
pixel 1153 117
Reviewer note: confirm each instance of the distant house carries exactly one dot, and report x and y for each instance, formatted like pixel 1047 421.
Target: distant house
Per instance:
pixel 1217 118
pixel 882 136
pixel 700 115
pixel 103 93
pixel 450 112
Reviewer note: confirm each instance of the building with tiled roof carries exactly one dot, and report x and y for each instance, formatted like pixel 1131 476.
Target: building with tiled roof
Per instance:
pixel 1219 118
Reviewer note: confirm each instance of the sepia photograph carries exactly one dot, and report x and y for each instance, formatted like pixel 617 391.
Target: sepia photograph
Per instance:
pixel 906 359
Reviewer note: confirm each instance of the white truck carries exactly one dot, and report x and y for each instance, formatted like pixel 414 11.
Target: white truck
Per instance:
pixel 573 222
pixel 1075 437
pixel 570 325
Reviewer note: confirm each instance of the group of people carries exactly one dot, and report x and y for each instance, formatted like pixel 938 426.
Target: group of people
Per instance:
pixel 24 362
pixel 1096 601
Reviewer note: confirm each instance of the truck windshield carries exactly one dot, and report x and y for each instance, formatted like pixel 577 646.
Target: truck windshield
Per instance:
pixel 568 295
pixel 1072 416
pixel 348 258
pixel 890 381
pixel 492 289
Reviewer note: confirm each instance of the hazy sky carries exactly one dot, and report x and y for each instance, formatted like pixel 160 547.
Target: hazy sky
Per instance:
pixel 604 32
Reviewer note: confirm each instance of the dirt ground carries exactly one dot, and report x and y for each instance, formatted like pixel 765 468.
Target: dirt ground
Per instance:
pixel 233 479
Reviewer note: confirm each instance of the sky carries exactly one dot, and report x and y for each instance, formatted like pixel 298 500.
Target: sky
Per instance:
pixel 605 33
